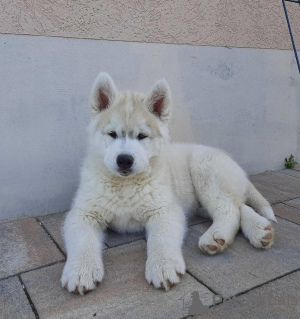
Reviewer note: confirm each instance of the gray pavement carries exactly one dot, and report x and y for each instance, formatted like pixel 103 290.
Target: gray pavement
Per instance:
pixel 243 282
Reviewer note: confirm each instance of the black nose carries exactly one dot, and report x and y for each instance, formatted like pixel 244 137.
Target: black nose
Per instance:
pixel 125 161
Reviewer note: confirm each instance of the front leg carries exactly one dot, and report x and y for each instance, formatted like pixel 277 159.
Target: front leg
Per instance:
pixel 84 240
pixel 165 232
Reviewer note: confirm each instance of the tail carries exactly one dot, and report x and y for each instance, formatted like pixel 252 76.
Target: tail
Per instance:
pixel 255 200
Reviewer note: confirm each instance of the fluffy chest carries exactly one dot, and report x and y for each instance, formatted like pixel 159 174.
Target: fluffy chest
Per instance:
pixel 127 206
pixel 126 197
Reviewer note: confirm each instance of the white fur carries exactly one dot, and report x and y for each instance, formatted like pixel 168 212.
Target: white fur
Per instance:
pixel 165 182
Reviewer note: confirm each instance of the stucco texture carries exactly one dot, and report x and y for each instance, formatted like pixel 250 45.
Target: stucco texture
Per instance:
pixel 235 23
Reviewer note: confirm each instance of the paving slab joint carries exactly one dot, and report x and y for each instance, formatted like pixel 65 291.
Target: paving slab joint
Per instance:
pixel 32 269
pixel 122 244
pixel 266 283
pixel 202 283
pixel 29 298
pixel 288 220
pixel 53 240
pixel 282 201
pixel 289 205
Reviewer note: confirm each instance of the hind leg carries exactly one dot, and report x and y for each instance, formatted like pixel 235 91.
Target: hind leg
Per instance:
pixel 223 211
pixel 220 186
pixel 256 228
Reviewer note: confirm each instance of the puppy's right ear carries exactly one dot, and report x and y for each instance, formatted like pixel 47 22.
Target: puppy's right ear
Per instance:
pixel 103 93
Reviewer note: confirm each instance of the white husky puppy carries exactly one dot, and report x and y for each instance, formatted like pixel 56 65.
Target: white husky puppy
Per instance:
pixel 133 178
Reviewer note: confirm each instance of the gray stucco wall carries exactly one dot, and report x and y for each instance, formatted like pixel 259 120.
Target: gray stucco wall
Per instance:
pixel 245 101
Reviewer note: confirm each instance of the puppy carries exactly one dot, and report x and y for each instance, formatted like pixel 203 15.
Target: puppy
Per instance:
pixel 133 178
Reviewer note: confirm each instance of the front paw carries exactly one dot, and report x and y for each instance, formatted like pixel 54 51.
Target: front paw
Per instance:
pixel 165 272
pixel 82 275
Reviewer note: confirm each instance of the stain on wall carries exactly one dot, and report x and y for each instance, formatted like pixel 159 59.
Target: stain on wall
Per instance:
pixel 221 70
pixel 236 23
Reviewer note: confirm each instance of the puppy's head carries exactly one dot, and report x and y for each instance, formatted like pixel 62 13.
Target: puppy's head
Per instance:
pixel 128 130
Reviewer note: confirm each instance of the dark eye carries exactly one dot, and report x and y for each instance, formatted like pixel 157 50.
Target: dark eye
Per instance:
pixel 141 136
pixel 113 134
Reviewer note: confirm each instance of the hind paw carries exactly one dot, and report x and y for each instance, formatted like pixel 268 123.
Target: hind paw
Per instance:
pixel 212 245
pixel 262 237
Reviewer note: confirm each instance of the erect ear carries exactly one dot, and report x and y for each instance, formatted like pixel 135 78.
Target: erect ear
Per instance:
pixel 103 93
pixel 159 100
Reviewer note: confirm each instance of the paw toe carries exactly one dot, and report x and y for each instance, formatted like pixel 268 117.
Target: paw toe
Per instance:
pixel 268 236
pixel 267 239
pixel 220 241
pixel 212 247
pixel 264 243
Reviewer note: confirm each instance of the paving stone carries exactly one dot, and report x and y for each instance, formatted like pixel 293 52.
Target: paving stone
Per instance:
pixel 124 293
pixel 13 301
pixel 294 203
pixel 276 187
pixel 287 212
pixel 24 245
pixel 271 194
pixel 195 220
pixel 290 172
pixel 241 266
pixel 53 223
pixel 279 181
pixel 201 217
pixel 113 238
pixel 297 168
pixel 276 300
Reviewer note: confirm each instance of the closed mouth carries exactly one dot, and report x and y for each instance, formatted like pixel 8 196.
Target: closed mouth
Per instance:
pixel 125 172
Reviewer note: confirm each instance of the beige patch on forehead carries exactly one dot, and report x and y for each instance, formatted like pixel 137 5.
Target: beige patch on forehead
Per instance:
pixel 129 112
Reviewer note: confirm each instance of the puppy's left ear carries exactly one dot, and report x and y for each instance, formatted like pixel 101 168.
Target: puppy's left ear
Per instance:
pixel 103 93
pixel 159 101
